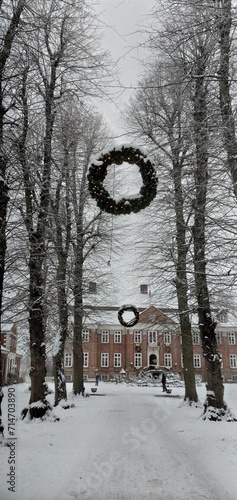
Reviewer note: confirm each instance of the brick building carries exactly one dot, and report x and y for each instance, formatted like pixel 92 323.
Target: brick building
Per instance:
pixel 10 358
pixel 110 349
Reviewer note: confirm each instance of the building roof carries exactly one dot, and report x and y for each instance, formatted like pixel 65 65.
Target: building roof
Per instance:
pixel 149 317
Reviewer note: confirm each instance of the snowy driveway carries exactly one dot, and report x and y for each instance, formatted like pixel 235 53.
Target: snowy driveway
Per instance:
pixel 138 454
pixel 133 443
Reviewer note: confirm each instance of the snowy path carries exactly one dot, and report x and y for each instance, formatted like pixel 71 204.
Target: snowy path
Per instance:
pixel 137 455
pixel 131 444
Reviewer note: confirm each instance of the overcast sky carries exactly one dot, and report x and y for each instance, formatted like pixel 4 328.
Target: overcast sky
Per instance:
pixel 121 21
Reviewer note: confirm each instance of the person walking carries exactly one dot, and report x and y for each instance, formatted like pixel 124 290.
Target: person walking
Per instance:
pixel 163 381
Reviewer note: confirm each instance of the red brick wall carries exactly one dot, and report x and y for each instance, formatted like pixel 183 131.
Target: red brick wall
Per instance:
pixel 127 348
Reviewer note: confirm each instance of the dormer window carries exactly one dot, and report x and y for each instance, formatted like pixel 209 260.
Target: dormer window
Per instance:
pixel 92 287
pixel 143 288
pixel 222 317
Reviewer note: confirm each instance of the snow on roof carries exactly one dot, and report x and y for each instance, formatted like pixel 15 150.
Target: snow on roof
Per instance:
pixel 102 316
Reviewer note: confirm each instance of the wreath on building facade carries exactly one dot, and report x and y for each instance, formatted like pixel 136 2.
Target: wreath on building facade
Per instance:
pixel 118 155
pixel 133 321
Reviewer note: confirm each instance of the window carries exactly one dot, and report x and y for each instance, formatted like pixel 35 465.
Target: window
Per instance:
pixel 167 337
pixel 168 360
pixel 222 317
pixel 85 359
pixel 231 338
pixel 104 359
pixel 152 337
pixel 68 378
pixel 196 338
pixel 105 337
pixel 104 378
pixel 197 361
pixel 92 288
pixel 117 337
pixel 143 288
pixel 68 359
pixel 233 362
pixel 117 359
pixel 137 359
pixel 85 335
pixel 218 337
pixel 137 337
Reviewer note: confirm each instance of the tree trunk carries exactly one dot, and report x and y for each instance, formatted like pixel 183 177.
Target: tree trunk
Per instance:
pixel 36 320
pixel 59 377
pixel 78 320
pixel 6 47
pixel 215 389
pixel 78 382
pixel 224 20
pixel 182 288
pixel 62 256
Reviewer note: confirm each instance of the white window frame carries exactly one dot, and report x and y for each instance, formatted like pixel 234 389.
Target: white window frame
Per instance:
pixel 105 337
pixel 137 359
pixel 137 336
pixel 231 338
pixel 85 335
pixel 222 317
pixel 196 338
pixel 117 359
pixel 168 359
pixel 68 360
pixel 85 359
pixel 152 337
pixel 117 337
pixel 167 337
pixel 197 361
pixel 105 359
pixel 233 360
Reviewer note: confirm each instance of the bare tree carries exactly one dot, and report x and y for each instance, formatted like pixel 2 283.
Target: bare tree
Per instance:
pixel 88 231
pixel 61 227
pixel 11 16
pixel 158 116
pixel 59 63
pixel 215 390
pixel 80 132
pixel 187 42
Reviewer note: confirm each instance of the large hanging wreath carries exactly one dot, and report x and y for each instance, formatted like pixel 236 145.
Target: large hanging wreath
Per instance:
pixel 133 321
pixel 119 155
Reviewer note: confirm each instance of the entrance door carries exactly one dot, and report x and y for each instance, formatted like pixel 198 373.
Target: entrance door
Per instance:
pixel 152 360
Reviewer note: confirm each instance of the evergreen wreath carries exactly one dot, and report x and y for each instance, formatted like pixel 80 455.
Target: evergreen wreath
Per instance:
pixel 119 155
pixel 133 321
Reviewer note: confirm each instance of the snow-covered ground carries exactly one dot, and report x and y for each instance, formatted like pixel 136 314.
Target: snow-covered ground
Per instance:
pixel 124 443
